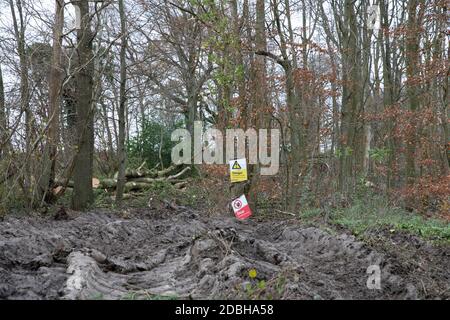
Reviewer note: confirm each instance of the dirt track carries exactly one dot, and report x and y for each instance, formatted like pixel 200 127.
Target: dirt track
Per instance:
pixel 184 255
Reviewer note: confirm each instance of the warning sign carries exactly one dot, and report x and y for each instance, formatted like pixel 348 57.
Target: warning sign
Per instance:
pixel 238 170
pixel 241 208
pixel 236 166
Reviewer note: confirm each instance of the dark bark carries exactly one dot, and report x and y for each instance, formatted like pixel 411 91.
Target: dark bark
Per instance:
pixel 122 105
pixel 82 175
pixel 412 86
pixel 351 97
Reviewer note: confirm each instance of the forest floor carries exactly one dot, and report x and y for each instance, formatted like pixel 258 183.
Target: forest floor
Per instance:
pixel 177 252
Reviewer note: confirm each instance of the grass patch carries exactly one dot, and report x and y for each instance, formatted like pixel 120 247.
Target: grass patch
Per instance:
pixel 311 213
pixel 374 213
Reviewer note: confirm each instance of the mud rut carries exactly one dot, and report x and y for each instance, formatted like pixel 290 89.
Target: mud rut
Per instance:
pixel 182 254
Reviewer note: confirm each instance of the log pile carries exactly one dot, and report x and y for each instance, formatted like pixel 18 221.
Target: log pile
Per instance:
pixel 139 179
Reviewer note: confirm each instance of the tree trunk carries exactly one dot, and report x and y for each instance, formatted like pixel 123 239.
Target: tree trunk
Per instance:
pixel 107 129
pixel 445 115
pixel 123 98
pixel 3 120
pixel 83 194
pixel 441 90
pixel 237 189
pixel 366 99
pixel 238 59
pixel 259 112
pixel 350 97
pixel 19 33
pixel 412 87
pixel 388 93
pixel 51 145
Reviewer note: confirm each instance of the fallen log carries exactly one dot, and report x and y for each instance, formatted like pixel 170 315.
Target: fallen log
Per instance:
pixel 147 173
pixel 179 174
pixel 145 180
pixel 70 183
pixel 111 184
pixel 169 178
pixel 137 184
pixel 136 180
pixel 164 172
pixel 138 173
pixel 108 184
pixel 132 186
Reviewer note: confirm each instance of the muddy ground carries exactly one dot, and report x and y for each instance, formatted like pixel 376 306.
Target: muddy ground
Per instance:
pixel 180 253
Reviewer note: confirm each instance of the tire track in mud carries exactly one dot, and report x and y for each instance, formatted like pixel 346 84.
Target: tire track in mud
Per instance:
pixel 182 255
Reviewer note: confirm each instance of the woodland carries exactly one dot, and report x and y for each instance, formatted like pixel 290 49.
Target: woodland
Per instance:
pixel 91 92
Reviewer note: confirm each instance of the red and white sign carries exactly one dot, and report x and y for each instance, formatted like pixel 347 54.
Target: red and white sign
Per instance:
pixel 241 208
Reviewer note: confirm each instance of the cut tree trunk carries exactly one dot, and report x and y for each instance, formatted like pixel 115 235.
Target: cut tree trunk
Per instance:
pixel 141 181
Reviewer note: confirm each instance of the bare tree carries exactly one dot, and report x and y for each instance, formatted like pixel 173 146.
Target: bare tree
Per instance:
pixel 82 175
pixel 123 99
pixel 413 39
pixel 3 119
pixel 55 87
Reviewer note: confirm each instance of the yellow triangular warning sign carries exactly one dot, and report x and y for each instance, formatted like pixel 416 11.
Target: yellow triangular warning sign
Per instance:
pixel 238 170
pixel 236 166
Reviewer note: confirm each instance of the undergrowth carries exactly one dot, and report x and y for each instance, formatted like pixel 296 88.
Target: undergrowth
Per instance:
pixel 373 213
